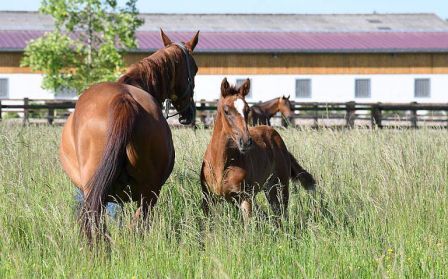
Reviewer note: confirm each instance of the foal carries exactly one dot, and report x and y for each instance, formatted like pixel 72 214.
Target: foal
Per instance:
pixel 240 161
pixel 261 114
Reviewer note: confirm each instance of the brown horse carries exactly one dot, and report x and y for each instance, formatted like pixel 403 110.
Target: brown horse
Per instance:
pixel 117 145
pixel 241 161
pixel 260 114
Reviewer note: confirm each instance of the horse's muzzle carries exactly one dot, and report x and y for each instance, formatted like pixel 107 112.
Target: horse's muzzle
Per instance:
pixel 245 146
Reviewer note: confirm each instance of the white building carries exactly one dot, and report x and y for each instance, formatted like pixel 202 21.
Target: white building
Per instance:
pixel 398 58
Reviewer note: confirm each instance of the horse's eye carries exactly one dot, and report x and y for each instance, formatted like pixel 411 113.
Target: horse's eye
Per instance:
pixel 226 110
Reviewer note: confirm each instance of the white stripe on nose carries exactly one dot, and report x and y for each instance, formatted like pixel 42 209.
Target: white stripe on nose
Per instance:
pixel 239 106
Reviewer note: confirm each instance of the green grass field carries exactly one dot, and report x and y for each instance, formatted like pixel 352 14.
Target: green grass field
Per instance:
pixel 381 210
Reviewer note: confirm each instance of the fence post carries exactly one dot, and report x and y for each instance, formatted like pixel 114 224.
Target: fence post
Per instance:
pixel 376 116
pixel 447 119
pixel 202 115
pixel 26 113
pixel 414 115
pixel 350 115
pixel 50 116
pixel 316 115
pixel 294 115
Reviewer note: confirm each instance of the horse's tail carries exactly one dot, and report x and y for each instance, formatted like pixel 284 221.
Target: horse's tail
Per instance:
pixel 122 118
pixel 300 174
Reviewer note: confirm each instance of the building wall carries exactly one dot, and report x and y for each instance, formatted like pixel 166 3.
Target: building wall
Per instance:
pixel 330 88
pixel 328 64
pixel 303 64
pixel 26 86
pixel 332 75
pixel 324 88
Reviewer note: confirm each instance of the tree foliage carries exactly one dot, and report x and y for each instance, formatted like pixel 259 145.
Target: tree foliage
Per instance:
pixel 87 44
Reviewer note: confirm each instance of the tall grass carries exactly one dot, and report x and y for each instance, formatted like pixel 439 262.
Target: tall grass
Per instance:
pixel 380 211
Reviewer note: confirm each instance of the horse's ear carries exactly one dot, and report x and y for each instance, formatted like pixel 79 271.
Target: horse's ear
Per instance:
pixel 244 88
pixel 225 88
pixel 193 42
pixel 165 39
pixel 287 98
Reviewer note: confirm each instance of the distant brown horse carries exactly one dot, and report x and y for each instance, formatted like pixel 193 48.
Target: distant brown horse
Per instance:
pixel 241 161
pixel 260 114
pixel 117 145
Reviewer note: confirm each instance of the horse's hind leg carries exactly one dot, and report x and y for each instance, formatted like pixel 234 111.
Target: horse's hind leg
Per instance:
pixel 278 198
pixel 79 201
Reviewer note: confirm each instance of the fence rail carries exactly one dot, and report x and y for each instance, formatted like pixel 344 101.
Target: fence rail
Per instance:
pixel 375 114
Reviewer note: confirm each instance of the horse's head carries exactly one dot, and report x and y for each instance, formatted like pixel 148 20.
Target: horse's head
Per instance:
pixel 234 109
pixel 185 71
pixel 286 107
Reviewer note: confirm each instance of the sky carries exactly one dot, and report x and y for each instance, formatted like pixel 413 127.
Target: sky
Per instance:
pixel 439 7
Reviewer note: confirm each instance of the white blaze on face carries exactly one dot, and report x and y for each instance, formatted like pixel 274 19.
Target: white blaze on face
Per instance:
pixel 239 106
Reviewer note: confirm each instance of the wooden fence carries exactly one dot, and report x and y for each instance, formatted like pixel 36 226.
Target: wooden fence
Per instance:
pixel 351 114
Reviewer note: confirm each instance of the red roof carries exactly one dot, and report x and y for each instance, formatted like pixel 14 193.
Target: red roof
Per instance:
pixel 276 41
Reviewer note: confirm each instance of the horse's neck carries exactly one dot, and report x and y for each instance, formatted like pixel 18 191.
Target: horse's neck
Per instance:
pixel 218 143
pixel 154 80
pixel 218 134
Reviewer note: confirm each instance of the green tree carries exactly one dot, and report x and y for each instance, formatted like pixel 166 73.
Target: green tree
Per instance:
pixel 87 44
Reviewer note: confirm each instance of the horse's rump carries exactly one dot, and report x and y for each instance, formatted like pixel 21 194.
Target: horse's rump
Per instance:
pixel 121 120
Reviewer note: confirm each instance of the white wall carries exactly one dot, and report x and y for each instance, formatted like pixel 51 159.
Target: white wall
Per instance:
pixel 325 88
pixel 330 88
pixel 27 85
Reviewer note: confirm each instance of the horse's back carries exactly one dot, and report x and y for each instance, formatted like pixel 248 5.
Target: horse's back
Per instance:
pixel 95 101
pixel 269 153
pixel 266 136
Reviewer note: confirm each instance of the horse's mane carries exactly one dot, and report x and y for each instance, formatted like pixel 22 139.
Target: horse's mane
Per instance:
pixel 154 74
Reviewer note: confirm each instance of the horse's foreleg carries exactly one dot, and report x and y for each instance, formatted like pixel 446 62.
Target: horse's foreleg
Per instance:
pixel 246 209
pixel 145 205
pixel 244 201
pixel 207 199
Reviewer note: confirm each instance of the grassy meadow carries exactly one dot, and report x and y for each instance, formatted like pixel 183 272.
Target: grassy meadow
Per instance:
pixel 381 210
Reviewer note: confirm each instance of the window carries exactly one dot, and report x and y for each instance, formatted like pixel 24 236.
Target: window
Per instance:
pixel 422 88
pixel 362 88
pixel 4 88
pixel 303 88
pixel 239 82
